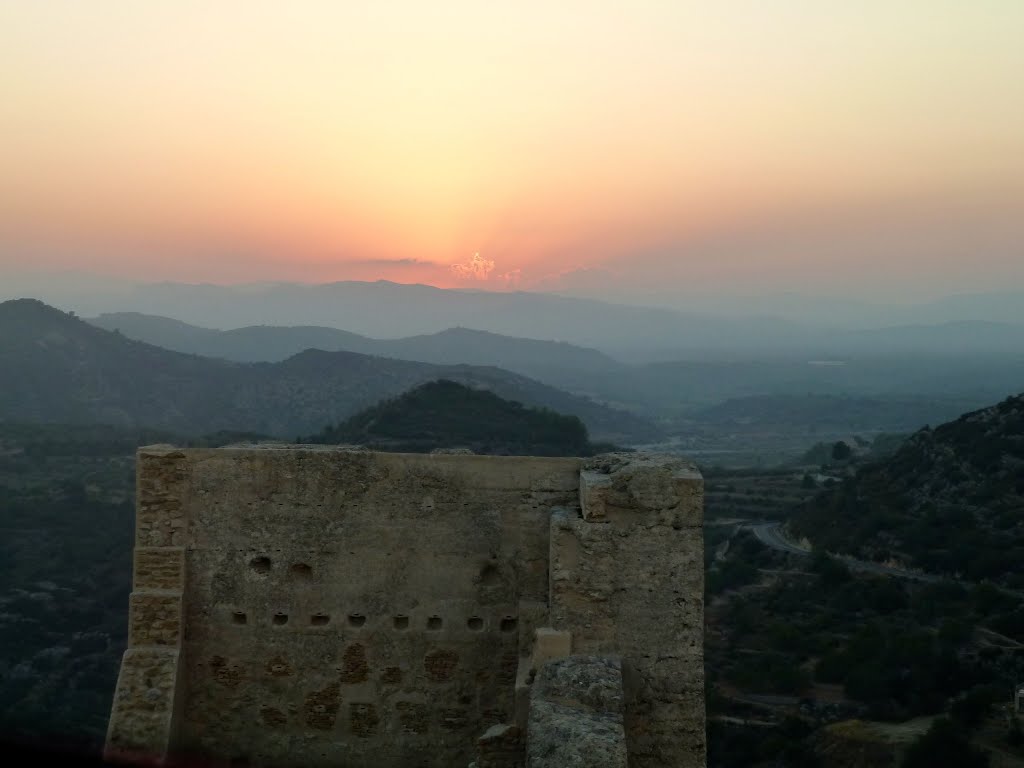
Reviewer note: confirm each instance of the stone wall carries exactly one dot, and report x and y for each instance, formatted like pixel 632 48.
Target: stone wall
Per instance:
pixel 627 578
pixel 310 605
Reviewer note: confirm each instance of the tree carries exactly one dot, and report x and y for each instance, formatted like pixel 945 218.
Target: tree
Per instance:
pixel 944 746
pixel 841 451
pixel 1014 737
pixel 971 709
pixel 831 572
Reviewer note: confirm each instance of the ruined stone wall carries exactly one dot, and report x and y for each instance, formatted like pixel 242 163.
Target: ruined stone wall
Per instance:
pixel 627 578
pixel 305 606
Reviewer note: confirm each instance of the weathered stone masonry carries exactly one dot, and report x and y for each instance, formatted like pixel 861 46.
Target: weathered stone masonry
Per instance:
pixel 310 605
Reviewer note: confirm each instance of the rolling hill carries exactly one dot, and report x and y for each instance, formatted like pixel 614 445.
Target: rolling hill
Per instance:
pixel 59 369
pixel 949 501
pixel 446 414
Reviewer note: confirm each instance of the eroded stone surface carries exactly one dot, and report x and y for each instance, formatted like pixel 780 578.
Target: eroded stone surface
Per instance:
pixel 665 489
pixel 143 708
pixel 313 606
pixel 576 715
pixel 628 579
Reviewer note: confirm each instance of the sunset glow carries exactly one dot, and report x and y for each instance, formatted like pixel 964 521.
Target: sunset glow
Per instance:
pixel 730 143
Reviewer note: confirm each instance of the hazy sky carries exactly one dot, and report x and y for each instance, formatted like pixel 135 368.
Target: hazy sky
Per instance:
pixel 649 147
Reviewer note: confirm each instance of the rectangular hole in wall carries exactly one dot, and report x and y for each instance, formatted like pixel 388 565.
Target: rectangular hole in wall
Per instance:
pixel 401 622
pixel 434 623
pixel 356 619
pixel 239 617
pixel 508 624
pixel 319 619
pixel 280 619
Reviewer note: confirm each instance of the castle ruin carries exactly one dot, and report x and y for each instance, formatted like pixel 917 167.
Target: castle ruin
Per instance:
pixel 316 605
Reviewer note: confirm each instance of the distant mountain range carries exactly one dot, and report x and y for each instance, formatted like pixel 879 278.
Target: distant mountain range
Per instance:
pixel 949 501
pixel 264 343
pixel 391 310
pixel 693 329
pixel 656 390
pixel 57 368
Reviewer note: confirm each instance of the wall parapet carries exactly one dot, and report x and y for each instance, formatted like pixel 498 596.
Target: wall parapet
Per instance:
pixel 145 712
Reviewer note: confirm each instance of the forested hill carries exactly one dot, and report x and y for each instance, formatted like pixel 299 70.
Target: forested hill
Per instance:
pixel 446 414
pixel 950 501
pixel 59 369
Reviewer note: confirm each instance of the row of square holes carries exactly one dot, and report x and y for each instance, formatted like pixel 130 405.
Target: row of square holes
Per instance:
pixel 434 623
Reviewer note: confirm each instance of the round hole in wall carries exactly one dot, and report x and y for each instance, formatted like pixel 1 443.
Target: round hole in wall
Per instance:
pixel 489 575
pixel 356 619
pixel 301 571
pixel 260 564
pixel 475 623
pixel 280 619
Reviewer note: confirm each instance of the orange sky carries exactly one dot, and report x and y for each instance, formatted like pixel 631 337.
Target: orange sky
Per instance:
pixel 651 145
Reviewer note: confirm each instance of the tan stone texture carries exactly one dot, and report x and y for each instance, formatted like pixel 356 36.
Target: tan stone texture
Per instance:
pixel 628 580
pixel 576 715
pixel 143 708
pixel 336 606
pixel 154 618
pixel 160 568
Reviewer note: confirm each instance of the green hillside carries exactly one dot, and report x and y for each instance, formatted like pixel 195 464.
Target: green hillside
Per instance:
pixel 446 414
pixel 949 501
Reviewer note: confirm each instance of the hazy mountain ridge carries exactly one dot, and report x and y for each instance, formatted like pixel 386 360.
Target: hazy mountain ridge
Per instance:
pixel 266 343
pixel 688 325
pixel 657 390
pixel 950 500
pixel 69 371
pixel 385 309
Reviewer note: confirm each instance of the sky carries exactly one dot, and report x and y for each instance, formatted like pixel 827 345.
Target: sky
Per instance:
pixel 643 150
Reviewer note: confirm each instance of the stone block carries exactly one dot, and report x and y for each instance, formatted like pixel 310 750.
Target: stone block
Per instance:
pixel 154 618
pixel 576 715
pixel 159 568
pixel 624 486
pixel 585 683
pixel 141 721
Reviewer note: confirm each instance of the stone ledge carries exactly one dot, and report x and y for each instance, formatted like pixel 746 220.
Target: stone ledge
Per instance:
pixel 141 718
pixel 576 715
pixel 662 489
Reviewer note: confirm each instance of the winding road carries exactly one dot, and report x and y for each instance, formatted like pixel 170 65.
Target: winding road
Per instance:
pixel 770 534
